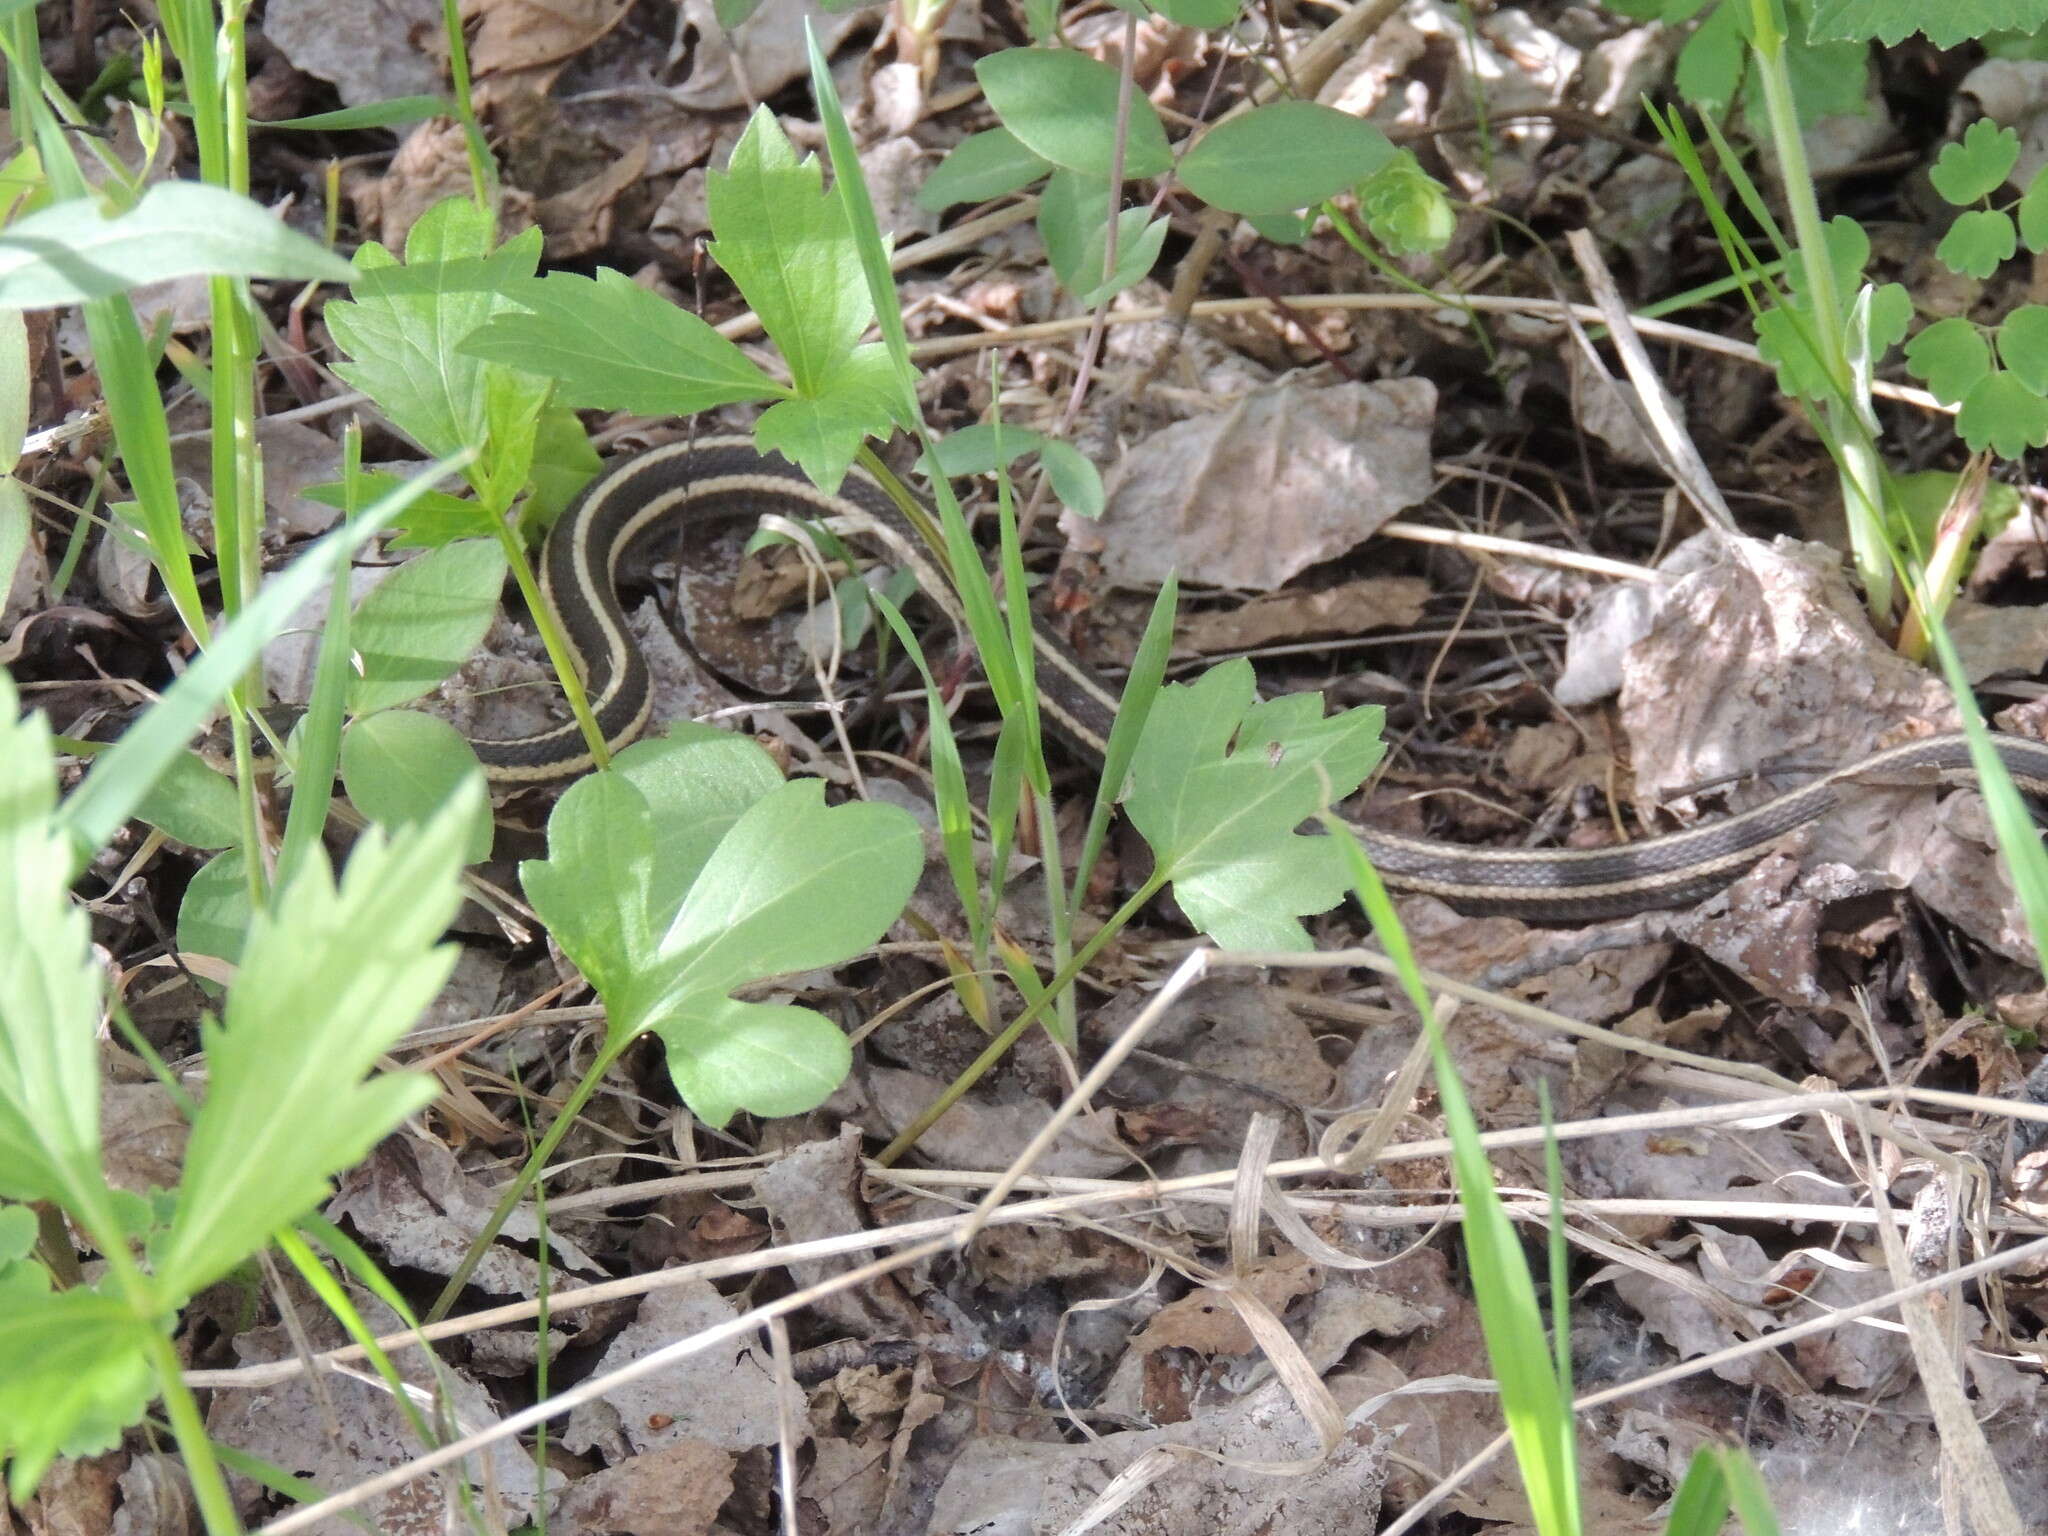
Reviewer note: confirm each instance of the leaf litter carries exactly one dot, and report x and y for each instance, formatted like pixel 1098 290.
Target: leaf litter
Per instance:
pixel 1746 660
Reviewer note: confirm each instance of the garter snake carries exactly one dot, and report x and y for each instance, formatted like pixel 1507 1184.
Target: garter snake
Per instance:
pixel 724 477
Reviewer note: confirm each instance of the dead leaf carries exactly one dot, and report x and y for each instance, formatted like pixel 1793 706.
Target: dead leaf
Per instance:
pixel 1206 1322
pixel 1352 608
pixel 671 1491
pixel 372 50
pixel 1286 477
pixel 523 34
pixel 762 54
pixel 579 221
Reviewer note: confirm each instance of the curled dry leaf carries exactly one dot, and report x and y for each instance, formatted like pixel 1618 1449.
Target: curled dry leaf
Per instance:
pixel 371 50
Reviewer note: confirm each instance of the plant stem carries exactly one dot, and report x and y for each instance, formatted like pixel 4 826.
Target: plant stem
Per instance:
pixel 614 1048
pixel 1010 1036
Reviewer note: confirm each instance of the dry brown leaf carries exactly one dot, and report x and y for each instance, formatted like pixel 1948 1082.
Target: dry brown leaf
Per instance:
pixel 1352 608
pixel 522 34
pixel 672 1491
pixel 372 50
pixel 579 221
pixel 1207 1323
pixel 1288 476
pixel 761 55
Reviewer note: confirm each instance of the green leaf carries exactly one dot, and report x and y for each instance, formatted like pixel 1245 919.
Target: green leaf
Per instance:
pixel 423 621
pixel 14 403
pixel 394 112
pixel 1950 356
pixel 987 446
pixel 564 461
pixel 401 767
pixel 74 1373
pixel 1946 25
pixel 215 911
pixel 1073 220
pixel 2002 414
pixel 600 891
pixel 194 804
pixel 1282 228
pixel 1710 65
pixel 123 774
pixel 1975 166
pixel 328 981
pixel 1219 784
pixel 981 166
pixel 2033 212
pixel 1283 156
pixel 1977 242
pixel 821 434
pixel 1202 15
pixel 1073 477
pixel 434 518
pixel 611 345
pixel 49 987
pixel 406 326
pixel 1062 106
pixel 789 248
pixel 1406 208
pixel 69 253
pixel 794 886
pixel 2023 346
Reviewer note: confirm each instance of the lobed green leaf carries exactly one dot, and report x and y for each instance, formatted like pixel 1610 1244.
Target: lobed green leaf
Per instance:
pixel 1975 166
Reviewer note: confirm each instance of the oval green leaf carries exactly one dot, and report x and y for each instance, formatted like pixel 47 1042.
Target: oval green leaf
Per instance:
pixel 981 166
pixel 423 622
pixel 400 767
pixel 1062 106
pixel 1284 156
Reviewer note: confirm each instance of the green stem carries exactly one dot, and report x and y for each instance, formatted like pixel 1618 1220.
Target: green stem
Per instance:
pixel 1065 978
pixel 614 1048
pixel 1861 468
pixel 557 643
pixel 209 1487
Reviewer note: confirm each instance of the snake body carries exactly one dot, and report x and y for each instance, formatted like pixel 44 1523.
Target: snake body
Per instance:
pixel 637 499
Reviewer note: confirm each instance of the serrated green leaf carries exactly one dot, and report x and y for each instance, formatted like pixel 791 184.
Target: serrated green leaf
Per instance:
pixel 2023 346
pixel 406 326
pixel 2002 414
pixel 423 621
pixel 1975 166
pixel 789 248
pixel 70 254
pixel 611 345
pixel 435 517
pixel 1219 785
pixel 193 803
pixel 328 981
pixel 2033 212
pixel 1977 242
pixel 1950 356
pixel 401 767
pixel 795 885
pixel 1062 106
pixel 1946 25
pixel 822 435
pixel 49 987
pixel 981 166
pixel 1283 156
pixel 74 1373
